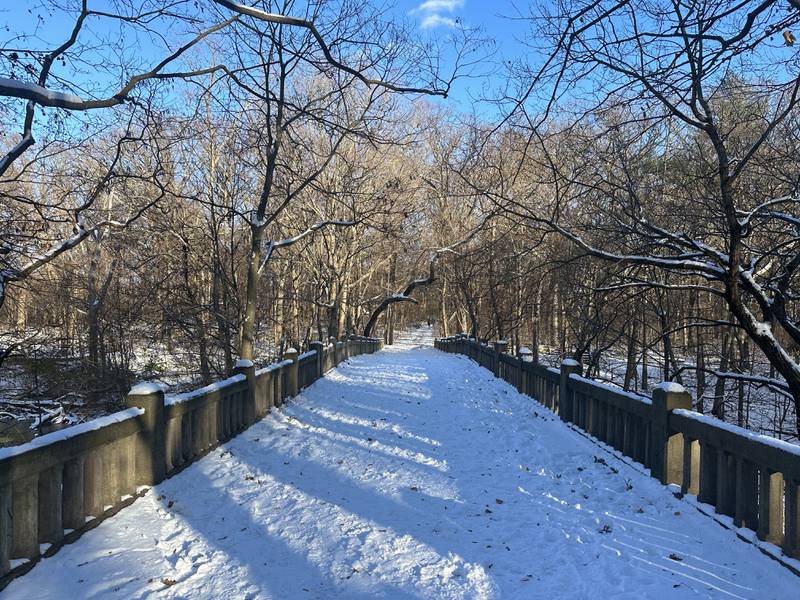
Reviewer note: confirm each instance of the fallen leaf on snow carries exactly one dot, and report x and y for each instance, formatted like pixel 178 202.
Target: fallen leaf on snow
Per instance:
pixel 674 556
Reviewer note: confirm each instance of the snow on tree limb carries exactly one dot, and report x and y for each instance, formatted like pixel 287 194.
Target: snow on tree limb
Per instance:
pixel 13 88
pixel 273 245
pixel 39 94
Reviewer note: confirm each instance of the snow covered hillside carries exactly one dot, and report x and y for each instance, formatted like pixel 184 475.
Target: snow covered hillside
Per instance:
pixel 409 473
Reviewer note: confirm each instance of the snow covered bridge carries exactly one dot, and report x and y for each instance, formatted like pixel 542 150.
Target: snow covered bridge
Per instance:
pixel 410 473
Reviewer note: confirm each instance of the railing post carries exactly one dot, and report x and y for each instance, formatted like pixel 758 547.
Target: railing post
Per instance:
pixel 151 454
pixel 666 451
pixel 500 346
pixel 247 368
pixel 525 356
pixel 319 348
pixel 566 405
pixel 291 354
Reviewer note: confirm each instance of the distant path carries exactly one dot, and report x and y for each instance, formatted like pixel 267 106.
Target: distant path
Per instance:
pixel 409 473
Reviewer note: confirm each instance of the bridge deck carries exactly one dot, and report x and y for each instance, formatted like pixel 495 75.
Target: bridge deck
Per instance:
pixel 409 474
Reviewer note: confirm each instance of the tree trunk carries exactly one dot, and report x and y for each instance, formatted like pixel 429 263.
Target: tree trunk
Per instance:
pixel 718 408
pixel 444 330
pixel 645 366
pixel 744 360
pixel 251 295
pixel 536 324
pixel 701 371
pixel 630 366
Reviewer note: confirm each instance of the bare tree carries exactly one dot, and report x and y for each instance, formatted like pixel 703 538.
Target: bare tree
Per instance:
pixel 665 73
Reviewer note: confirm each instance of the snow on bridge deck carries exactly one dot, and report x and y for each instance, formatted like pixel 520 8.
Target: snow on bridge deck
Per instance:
pixel 408 474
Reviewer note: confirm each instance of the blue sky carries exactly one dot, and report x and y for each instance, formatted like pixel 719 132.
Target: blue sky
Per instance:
pixel 495 19
pixel 434 18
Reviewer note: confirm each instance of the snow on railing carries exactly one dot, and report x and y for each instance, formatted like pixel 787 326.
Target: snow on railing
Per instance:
pixel 170 399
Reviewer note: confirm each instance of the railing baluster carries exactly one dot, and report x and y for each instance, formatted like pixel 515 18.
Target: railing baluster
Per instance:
pixel 25 517
pixel 726 483
pixel 111 493
pixel 791 538
pixel 746 506
pixel 74 515
pixel 691 466
pixel 93 484
pixel 628 436
pixel 50 504
pixel 186 437
pixel 196 418
pixel 619 436
pixel 708 474
pixel 173 443
pixel 127 466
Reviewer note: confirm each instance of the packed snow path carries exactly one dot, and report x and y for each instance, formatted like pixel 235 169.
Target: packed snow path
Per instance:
pixel 409 474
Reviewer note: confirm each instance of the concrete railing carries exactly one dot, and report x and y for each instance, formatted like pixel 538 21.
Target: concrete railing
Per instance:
pixel 753 478
pixel 60 485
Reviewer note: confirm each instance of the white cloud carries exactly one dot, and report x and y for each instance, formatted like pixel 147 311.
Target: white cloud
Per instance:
pixel 440 5
pixel 434 20
pixel 432 13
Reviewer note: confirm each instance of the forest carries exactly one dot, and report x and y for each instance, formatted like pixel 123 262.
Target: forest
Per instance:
pixel 186 184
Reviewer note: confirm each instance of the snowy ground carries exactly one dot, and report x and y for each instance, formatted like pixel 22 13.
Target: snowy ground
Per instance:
pixel 409 474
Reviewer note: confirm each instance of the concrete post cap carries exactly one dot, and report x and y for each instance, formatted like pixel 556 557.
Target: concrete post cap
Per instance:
pixel 669 395
pixel 147 388
pixel 670 387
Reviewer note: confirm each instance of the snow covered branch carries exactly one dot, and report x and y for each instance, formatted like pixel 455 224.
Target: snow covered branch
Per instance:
pixel 273 245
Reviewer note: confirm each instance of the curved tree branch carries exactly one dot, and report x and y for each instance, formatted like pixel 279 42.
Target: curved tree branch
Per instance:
pixel 404 296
